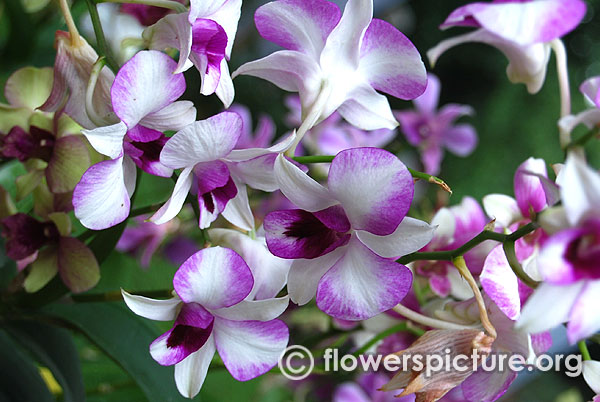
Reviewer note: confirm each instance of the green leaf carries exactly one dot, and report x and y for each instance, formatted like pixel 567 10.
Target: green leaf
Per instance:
pixel 152 190
pixel 106 240
pixel 19 378
pixel 125 338
pixel 8 268
pixel 53 348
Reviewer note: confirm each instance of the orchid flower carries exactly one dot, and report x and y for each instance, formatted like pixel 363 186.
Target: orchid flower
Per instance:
pixel 366 388
pixel 523 30
pixel 533 195
pixel 204 38
pixel 144 97
pixel 216 172
pixel 568 260
pixel 455 225
pixel 590 89
pixel 345 236
pixel 144 239
pixel 261 137
pixel 591 374
pixel 212 311
pixel 333 134
pixel 337 62
pixel 432 130
pixel 48 249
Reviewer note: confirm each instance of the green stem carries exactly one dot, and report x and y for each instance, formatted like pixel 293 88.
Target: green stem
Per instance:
pixel 511 256
pixel 584 139
pixel 100 38
pixel 415 173
pixel 585 353
pixel 171 5
pixel 384 334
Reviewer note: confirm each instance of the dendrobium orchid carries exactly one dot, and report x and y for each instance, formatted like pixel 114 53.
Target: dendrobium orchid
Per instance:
pixel 337 62
pixel 212 311
pixel 345 236
pixel 144 96
pixel 523 30
pixel 204 38
pixel 590 89
pixel 216 172
pixel 431 130
pixel 569 260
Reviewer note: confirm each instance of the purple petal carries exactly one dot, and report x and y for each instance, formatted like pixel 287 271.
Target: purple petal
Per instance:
pixel 146 15
pixel 140 133
pixel 487 386
pixel 101 199
pixel 213 203
pixel 211 175
pixel 209 41
pixel 522 22
pixel 146 155
pixel 529 190
pixel 145 84
pixel 374 188
pixel 203 141
pixel 391 63
pixel 431 157
pixel 250 348
pixel 427 102
pixel 461 139
pixel 214 277
pixel 469 221
pixel 77 265
pixel 25 235
pixel 299 234
pixel 501 284
pixel 178 343
pixel 590 88
pixel 541 342
pixel 362 284
pixel 301 25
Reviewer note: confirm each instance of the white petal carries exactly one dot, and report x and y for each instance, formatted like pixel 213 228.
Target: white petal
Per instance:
pixel 502 208
pixel 225 90
pixel 367 109
pixel 254 310
pixel 191 371
pixel 174 117
pixel 159 310
pixel 172 207
pixel 107 140
pixel 580 189
pixel 299 188
pixel 238 211
pixel 445 225
pixel 240 155
pixel 411 235
pixel 591 374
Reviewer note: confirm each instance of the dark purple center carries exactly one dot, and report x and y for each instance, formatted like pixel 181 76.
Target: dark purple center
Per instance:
pixel 25 235
pixel 23 145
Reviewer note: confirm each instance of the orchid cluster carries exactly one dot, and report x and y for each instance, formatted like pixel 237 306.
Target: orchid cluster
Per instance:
pixel 274 232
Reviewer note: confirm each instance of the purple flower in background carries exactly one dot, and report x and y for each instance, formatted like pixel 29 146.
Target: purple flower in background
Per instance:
pixel 204 37
pixel 144 239
pixel 522 30
pixel 590 89
pixel 366 389
pixel 144 96
pixel 262 136
pixel 212 312
pixel 569 260
pixel 337 62
pixel 344 237
pixel 216 172
pixel 432 130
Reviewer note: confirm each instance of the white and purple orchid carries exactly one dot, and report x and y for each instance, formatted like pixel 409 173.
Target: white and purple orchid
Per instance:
pixel 216 172
pixel 522 29
pixel 431 130
pixel 204 38
pixel 568 260
pixel 345 236
pixel 144 97
pixel 213 311
pixel 337 62
pixel 590 89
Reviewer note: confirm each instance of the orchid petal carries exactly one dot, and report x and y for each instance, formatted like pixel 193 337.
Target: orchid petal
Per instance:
pixel 101 198
pixel 258 172
pixel 390 62
pixel 361 284
pixel 410 235
pixel 590 88
pixel 228 16
pixel 501 284
pixel 461 139
pixel 300 188
pixel 580 189
pixel 201 8
pixel 584 319
pixel 225 90
pixel 591 374
pixel 304 275
pixel 237 211
pixel 107 140
pixel 590 118
pixel 241 155
pixel 383 182
pixel 144 85
pixel 172 207
pixel 254 310
pixel 214 277
pixel 485 385
pixel 502 208
pixel 158 310
pixel 444 223
pixel 529 190
pixel 250 348
pixel 427 102
pixel 70 158
pixel 173 117
pixel 203 141
pixel 171 31
pixel 77 265
pixel 367 109
pixel 301 25
pixel 191 371
pixel 28 87
pixel 548 306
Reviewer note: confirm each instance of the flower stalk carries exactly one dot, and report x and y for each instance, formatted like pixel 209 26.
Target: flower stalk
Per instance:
pixel 429 321
pixel 73 32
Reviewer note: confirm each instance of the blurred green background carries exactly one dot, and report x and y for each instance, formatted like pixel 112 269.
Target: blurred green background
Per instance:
pixel 512 125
